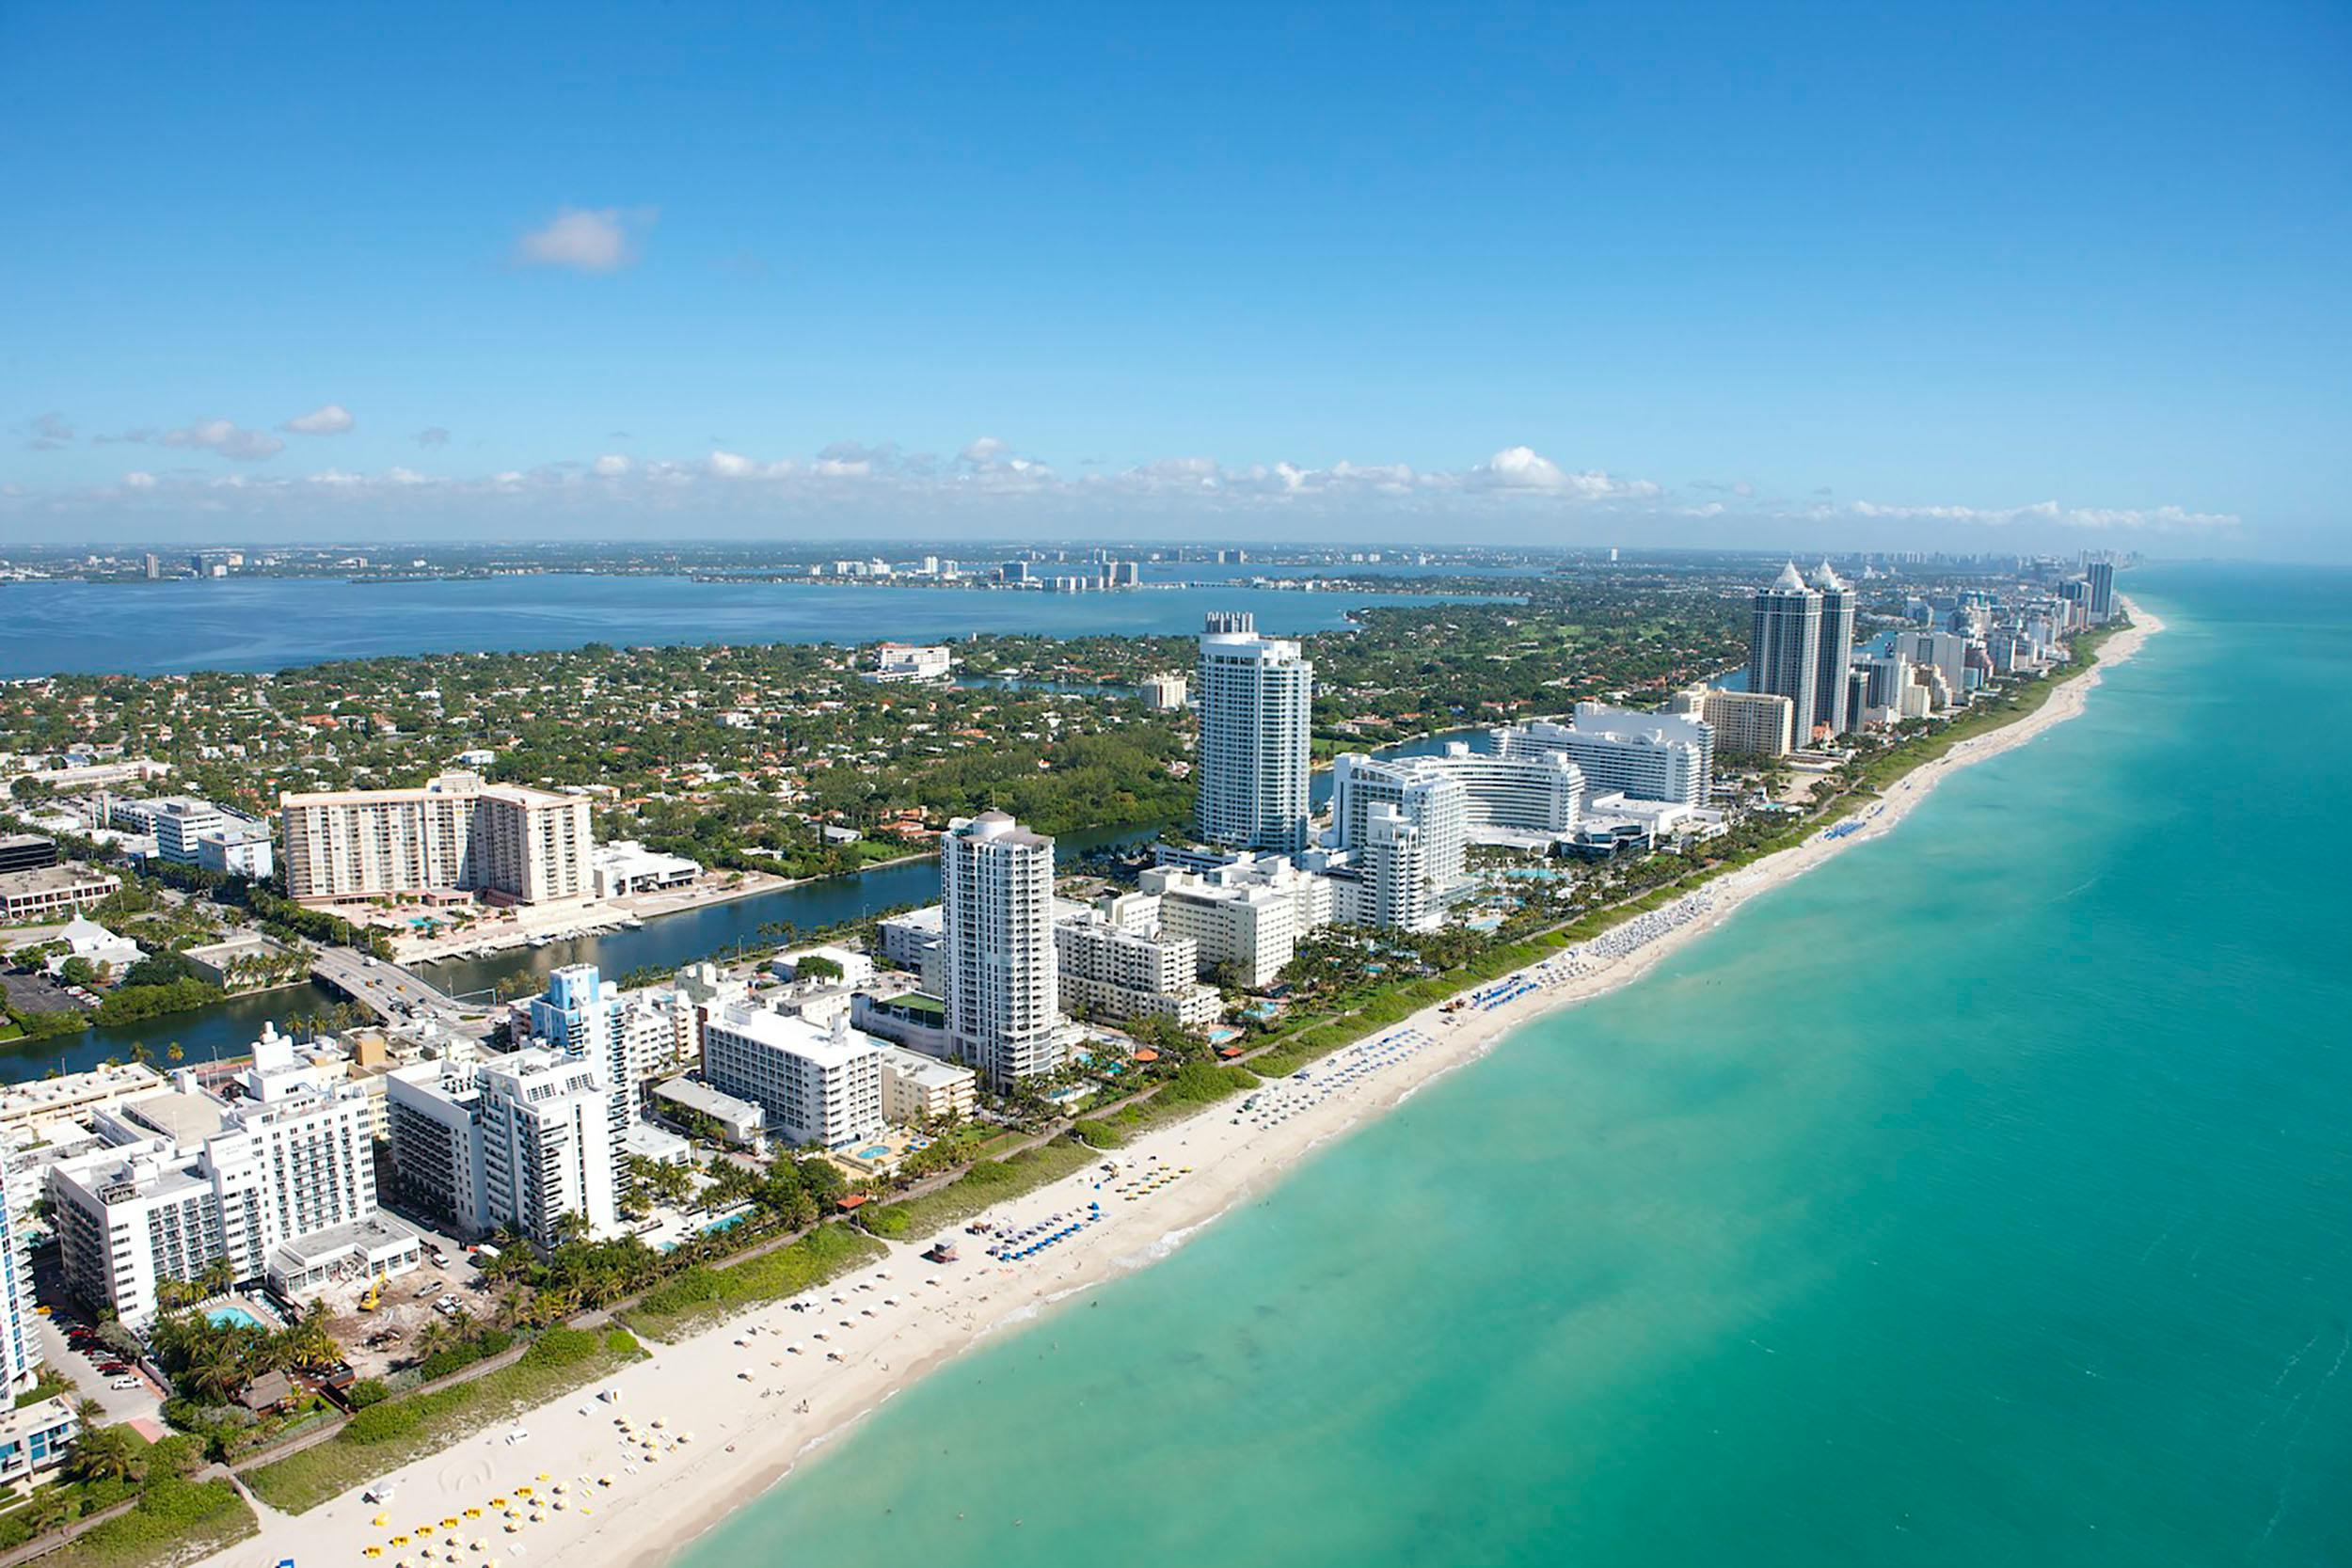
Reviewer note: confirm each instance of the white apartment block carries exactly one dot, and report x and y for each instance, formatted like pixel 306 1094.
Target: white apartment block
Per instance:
pixel 238 849
pixel 193 1177
pixel 1400 884
pixel 1248 915
pixel 20 1340
pixel 521 1140
pixel 909 661
pixel 1117 972
pixel 1422 790
pixel 1256 702
pixel 1649 757
pixel 1946 653
pixel 174 821
pixel 917 1088
pixel 997 969
pixel 1164 693
pixel 818 1083
pixel 455 833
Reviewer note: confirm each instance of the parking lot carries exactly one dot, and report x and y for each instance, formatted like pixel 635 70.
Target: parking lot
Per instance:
pixel 142 1400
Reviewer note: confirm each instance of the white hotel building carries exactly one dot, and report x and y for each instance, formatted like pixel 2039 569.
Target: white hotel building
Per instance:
pixel 280 1182
pixel 996 892
pixel 521 1140
pixel 819 1083
pixel 1256 701
pixel 1648 756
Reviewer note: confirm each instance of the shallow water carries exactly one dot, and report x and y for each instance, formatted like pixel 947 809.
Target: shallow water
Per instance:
pixel 1979 1197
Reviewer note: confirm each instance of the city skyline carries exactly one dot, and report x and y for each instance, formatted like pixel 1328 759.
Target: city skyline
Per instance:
pixel 1591 279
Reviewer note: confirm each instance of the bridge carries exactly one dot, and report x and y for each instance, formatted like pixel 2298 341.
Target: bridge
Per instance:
pixel 381 986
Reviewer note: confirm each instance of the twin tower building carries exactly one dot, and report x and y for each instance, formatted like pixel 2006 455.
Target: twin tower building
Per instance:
pixel 1800 646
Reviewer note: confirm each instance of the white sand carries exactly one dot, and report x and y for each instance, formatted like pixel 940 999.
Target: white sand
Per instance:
pixel 748 1431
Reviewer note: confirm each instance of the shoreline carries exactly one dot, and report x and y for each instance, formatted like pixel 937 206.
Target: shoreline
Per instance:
pixel 761 1392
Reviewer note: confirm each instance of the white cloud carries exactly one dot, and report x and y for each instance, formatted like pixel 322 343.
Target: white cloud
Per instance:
pixel 985 486
pixel 1523 470
pixel 2160 519
pixel 224 436
pixel 328 419
pixel 600 239
pixel 732 465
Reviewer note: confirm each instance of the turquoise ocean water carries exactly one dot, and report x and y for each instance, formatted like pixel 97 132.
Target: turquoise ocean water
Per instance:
pixel 1981 1198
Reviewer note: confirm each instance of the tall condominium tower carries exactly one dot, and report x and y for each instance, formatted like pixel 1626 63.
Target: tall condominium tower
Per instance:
pixel 997 895
pixel 2102 577
pixel 1256 700
pixel 1784 646
pixel 20 1342
pixel 1835 652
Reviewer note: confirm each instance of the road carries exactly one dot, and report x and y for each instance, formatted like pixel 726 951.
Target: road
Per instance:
pixel 380 986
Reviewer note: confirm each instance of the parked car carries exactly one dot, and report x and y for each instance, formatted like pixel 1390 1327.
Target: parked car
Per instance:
pixel 126 1383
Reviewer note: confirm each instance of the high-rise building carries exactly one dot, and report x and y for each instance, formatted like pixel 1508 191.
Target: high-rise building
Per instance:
pixel 1646 756
pixel 1833 653
pixel 1746 723
pixel 278 1182
pixel 1947 653
pixel 20 1340
pixel 2102 579
pixel 1114 969
pixel 1424 797
pixel 1256 701
pixel 997 896
pixel 456 833
pixel 1784 646
pixel 818 1083
pixel 519 1141
pixel 1246 917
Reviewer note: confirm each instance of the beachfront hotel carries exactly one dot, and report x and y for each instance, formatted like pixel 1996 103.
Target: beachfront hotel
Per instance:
pixel 818 1083
pixel 1746 723
pixel 522 1141
pixel 997 949
pixel 1646 756
pixel 1256 701
pixel 280 1183
pixel 455 834
pixel 1835 652
pixel 1116 963
pixel 1246 917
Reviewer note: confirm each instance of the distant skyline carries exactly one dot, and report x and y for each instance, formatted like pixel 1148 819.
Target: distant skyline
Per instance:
pixel 1723 277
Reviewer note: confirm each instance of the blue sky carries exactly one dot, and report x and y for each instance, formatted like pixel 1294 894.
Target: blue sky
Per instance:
pixel 1891 276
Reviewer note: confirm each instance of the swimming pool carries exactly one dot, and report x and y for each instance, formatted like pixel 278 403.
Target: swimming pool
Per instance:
pixel 879 1151
pixel 232 1317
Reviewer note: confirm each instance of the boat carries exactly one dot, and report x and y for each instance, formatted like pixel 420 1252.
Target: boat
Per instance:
pixel 632 923
pixel 541 940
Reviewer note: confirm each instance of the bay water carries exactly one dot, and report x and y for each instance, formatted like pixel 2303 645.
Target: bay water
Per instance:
pixel 1983 1197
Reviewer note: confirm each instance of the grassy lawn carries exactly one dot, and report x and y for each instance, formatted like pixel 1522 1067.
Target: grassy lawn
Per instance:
pixel 990 1182
pixel 175 1522
pixel 385 1436
pixel 702 1294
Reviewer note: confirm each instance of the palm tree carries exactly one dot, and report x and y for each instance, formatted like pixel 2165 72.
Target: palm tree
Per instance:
pixel 108 1453
pixel 174 1052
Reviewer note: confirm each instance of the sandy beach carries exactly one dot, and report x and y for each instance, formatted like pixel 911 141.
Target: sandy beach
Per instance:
pixel 714 1419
